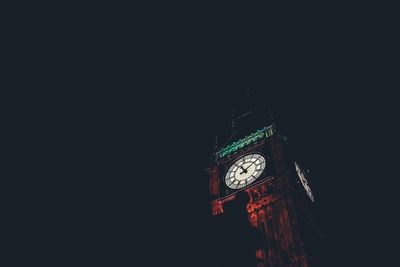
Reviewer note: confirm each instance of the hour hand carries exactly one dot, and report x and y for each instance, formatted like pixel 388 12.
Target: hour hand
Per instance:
pixel 248 167
pixel 244 170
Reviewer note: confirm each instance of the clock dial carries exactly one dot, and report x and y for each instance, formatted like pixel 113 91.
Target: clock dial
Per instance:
pixel 302 177
pixel 244 171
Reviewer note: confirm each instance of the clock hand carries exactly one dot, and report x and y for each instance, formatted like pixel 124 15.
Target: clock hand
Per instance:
pixel 244 170
pixel 249 166
pixel 239 167
pixel 251 163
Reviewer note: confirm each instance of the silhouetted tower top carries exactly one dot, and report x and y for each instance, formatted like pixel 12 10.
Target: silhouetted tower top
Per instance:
pixel 249 114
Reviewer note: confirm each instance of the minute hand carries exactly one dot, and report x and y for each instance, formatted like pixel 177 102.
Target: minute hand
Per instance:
pixel 248 166
pixel 245 170
pixel 238 166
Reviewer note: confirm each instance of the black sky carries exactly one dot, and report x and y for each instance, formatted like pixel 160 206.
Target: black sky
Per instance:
pixel 116 132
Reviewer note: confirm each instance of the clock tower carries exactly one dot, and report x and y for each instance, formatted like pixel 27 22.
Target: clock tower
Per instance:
pixel 257 174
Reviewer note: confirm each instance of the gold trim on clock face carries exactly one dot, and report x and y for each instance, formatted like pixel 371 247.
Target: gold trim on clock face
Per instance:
pixel 245 171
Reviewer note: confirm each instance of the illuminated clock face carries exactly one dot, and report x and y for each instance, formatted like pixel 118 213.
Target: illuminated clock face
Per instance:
pixel 245 171
pixel 303 180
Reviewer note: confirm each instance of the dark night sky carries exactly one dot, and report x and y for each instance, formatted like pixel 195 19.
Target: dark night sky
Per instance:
pixel 117 131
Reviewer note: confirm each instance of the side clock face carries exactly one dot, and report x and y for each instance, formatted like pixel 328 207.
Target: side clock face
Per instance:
pixel 244 171
pixel 302 177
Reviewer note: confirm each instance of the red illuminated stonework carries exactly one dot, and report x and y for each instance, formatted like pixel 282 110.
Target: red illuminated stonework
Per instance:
pixel 277 208
pixel 217 207
pixel 214 180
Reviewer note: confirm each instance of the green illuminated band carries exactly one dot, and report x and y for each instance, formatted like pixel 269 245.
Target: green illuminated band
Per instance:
pixel 252 138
